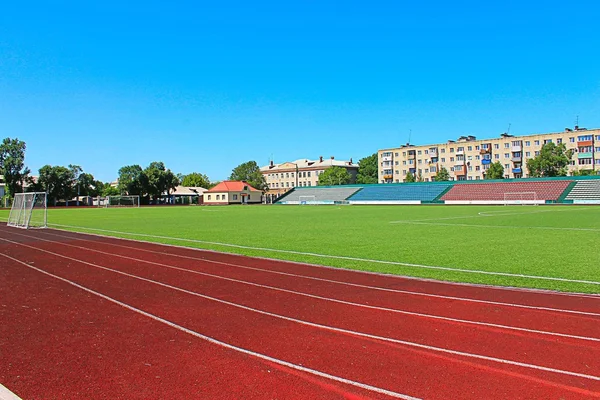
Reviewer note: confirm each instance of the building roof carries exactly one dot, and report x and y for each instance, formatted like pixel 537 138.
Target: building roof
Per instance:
pixel 306 163
pixel 188 191
pixel 232 186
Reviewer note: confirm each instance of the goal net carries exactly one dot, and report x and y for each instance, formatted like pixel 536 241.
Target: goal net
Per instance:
pixel 521 198
pixel 28 211
pixel 306 200
pixel 118 201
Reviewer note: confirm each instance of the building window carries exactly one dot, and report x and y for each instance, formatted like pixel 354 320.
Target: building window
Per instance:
pixel 506 155
pixel 218 197
pixel 309 174
pixel 572 139
pixel 536 142
pixel 547 141
pixel 396 163
pixel 497 156
pixel 558 141
pixel 209 197
pixel 443 151
pixel 419 152
pixel 528 154
pixel 469 148
pixel 443 159
pixel 527 143
pixel 537 153
pixel 396 154
pixel 476 147
pixel 496 146
pixel 235 196
pixel 451 149
pixel 451 159
pixel 426 151
pixel 506 145
pixel 433 169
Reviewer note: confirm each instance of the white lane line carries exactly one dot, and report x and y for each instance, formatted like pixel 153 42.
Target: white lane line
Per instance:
pixel 325 327
pixel 459 270
pixel 424 315
pixel 220 343
pixel 375 287
pixel 6 394
pixel 552 228
pixel 108 238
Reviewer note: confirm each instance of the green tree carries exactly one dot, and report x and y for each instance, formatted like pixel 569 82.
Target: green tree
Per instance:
pixel 195 179
pixel 12 159
pixel 495 171
pixel 159 179
pixel 409 177
pixel 442 175
pixel 334 176
pixel 552 161
pixel 249 172
pixel 585 172
pixel 109 190
pixel 132 180
pixel 57 181
pixel 367 170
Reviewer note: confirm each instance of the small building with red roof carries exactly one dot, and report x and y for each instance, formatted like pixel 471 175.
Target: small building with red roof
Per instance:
pixel 232 192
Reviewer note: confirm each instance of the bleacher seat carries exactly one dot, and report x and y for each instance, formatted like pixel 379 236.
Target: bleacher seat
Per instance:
pixel 495 191
pixel 401 192
pixel 585 190
pixel 321 194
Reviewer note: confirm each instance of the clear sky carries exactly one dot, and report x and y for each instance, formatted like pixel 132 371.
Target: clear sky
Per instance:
pixel 206 85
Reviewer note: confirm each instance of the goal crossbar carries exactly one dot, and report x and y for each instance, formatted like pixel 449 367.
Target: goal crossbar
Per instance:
pixel 118 201
pixel 29 210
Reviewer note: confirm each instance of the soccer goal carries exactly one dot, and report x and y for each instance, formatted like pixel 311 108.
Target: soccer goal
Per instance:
pixel 521 198
pixel 306 200
pixel 29 210
pixel 118 201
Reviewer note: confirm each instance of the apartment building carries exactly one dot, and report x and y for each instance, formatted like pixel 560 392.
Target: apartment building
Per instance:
pixel 288 175
pixel 468 158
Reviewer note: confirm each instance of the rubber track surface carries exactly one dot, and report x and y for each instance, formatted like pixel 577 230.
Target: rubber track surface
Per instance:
pixel 60 341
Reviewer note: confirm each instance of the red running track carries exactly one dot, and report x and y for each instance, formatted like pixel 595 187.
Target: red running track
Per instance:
pixel 84 316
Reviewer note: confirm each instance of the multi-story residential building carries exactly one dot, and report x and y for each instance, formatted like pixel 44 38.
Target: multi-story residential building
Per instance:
pixel 288 175
pixel 468 158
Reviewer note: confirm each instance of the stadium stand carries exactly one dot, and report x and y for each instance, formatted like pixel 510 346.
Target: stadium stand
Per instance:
pixel 318 195
pixel 587 191
pixel 403 193
pixel 496 192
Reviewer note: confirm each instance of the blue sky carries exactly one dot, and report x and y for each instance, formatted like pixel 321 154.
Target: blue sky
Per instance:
pixel 205 86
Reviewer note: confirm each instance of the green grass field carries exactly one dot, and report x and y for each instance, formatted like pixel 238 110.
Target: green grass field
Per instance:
pixel 544 241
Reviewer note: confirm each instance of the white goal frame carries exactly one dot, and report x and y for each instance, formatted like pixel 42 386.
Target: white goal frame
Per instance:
pixel 29 210
pixel 521 198
pixel 302 200
pixel 118 201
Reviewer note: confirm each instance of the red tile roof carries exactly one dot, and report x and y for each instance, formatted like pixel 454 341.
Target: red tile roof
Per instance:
pixel 232 186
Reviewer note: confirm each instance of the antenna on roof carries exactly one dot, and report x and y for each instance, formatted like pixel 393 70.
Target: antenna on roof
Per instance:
pixel 508 130
pixel 577 121
pixel 409 135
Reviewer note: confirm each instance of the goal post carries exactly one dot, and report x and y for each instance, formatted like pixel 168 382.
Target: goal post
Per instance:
pixel 29 210
pixel 118 201
pixel 303 200
pixel 521 198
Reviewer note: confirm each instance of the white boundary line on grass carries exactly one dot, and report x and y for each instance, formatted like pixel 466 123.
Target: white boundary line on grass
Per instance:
pixel 6 394
pixel 417 314
pixel 326 327
pixel 458 270
pixel 218 342
pixel 552 228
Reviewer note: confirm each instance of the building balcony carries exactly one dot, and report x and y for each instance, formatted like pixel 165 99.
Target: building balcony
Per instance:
pixel 412 170
pixel 460 170
pixel 388 176
pixel 387 158
pixel 486 161
pixel 585 143
pixel 585 155
pixel 485 151
pixel 517 170
pixel 516 159
pixel 516 148
pixel 412 154
pixel 460 153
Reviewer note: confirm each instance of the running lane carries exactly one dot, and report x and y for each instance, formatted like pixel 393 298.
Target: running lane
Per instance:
pixel 378 362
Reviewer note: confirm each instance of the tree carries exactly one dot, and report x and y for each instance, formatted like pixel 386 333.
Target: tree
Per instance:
pixel 12 159
pixel 334 176
pixel 159 180
pixel 495 171
pixel 109 190
pixel 442 175
pixel 409 177
pixel 195 179
pixel 552 161
pixel 57 181
pixel 132 180
pixel 367 170
pixel 585 172
pixel 249 172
